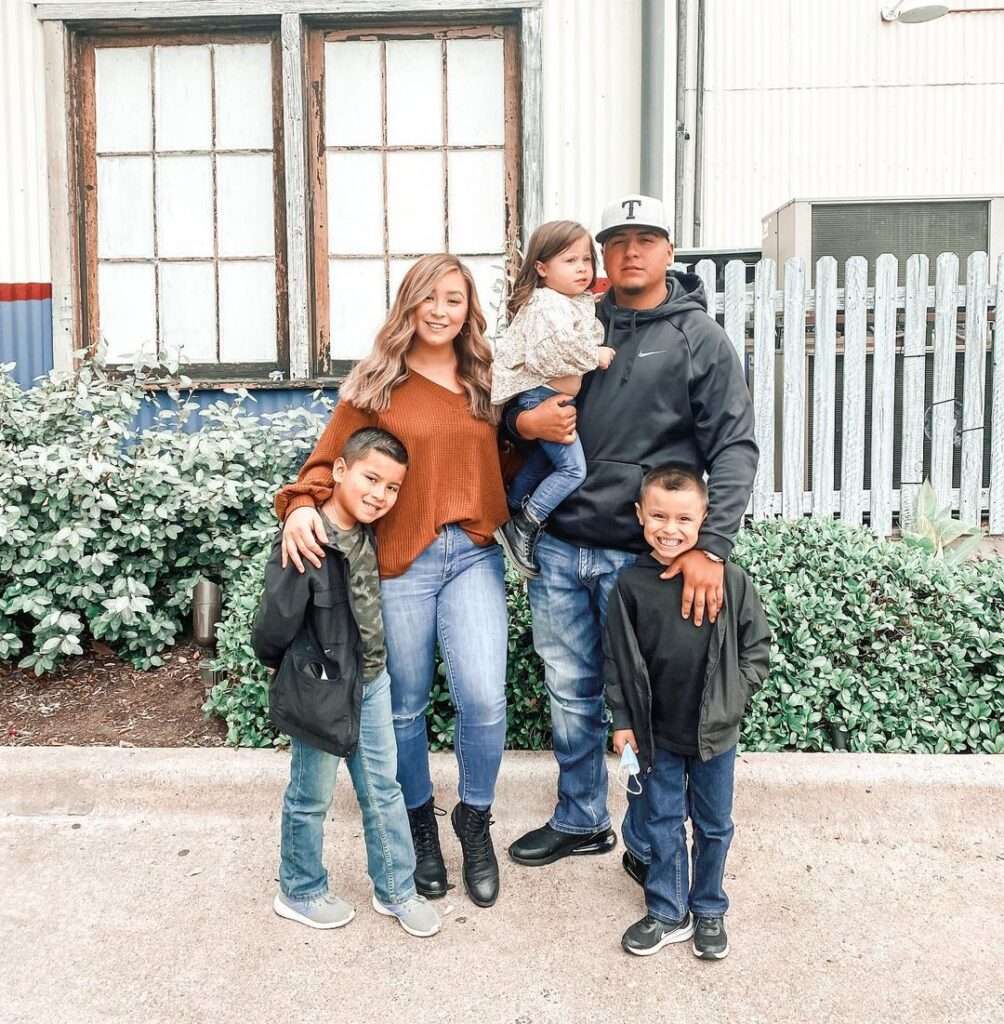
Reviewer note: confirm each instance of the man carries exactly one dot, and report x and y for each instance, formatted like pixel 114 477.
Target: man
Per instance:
pixel 675 392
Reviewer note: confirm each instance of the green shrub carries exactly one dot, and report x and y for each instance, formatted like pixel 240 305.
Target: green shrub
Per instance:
pixel 899 650
pixel 241 696
pixel 104 529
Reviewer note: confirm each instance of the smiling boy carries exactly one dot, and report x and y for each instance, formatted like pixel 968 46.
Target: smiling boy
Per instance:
pixel 677 691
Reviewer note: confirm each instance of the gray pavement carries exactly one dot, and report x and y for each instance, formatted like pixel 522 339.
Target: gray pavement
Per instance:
pixel 137 887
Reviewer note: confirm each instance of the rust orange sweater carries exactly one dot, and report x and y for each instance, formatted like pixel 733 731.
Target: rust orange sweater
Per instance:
pixel 453 471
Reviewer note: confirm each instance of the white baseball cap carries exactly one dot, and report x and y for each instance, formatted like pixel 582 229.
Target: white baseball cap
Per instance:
pixel 633 211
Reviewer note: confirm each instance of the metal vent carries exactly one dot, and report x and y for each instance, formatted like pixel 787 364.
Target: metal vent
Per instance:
pixel 843 230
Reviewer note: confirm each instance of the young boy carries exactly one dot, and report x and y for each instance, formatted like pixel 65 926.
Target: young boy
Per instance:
pixel 677 692
pixel 322 630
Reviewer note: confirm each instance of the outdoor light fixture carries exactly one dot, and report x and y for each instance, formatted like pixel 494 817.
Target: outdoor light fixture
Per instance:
pixel 911 14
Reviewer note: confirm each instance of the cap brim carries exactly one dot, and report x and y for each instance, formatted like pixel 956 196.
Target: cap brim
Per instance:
pixel 602 236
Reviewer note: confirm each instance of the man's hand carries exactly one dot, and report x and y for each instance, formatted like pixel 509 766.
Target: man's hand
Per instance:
pixel 624 738
pixel 552 420
pixel 303 534
pixel 703 582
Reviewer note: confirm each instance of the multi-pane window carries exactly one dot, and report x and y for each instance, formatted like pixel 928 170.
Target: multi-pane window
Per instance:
pixel 418 156
pixel 183 194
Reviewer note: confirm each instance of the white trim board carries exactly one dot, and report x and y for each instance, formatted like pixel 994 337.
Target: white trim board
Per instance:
pixel 97 10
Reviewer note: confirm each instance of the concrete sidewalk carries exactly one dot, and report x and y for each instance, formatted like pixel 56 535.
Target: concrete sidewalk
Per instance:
pixel 137 887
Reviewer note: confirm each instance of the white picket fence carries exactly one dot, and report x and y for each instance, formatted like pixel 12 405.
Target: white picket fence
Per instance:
pixel 840 323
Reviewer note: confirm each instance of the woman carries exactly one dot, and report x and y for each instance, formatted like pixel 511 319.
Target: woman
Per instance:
pixel 428 381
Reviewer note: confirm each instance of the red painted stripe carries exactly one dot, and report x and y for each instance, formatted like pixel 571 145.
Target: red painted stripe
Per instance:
pixel 19 292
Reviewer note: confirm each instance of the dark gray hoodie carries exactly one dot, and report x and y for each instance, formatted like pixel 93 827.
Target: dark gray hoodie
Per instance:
pixel 674 393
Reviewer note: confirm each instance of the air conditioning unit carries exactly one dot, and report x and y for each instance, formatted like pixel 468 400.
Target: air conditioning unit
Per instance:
pixel 843 228
pixel 869 227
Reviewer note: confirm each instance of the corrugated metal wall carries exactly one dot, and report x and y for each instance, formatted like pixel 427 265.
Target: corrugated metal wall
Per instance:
pixel 823 99
pixel 592 96
pixel 25 302
pixel 265 401
pixel 24 204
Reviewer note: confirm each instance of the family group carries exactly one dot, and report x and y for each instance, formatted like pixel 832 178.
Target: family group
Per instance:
pixel 605 447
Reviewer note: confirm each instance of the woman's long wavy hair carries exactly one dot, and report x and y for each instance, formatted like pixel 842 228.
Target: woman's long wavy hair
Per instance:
pixel 369 385
pixel 545 243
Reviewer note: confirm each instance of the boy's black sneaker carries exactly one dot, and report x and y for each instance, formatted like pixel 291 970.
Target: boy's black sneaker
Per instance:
pixel 430 871
pixel 710 940
pixel 518 538
pixel 649 935
pixel 635 867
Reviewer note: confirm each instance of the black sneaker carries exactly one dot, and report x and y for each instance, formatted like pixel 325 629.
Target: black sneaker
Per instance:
pixel 481 869
pixel 635 867
pixel 710 940
pixel 649 935
pixel 518 538
pixel 430 871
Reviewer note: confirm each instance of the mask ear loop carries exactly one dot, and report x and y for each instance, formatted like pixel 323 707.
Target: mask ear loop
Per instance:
pixel 626 786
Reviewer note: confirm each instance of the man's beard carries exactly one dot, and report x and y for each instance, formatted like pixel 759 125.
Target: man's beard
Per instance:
pixel 632 289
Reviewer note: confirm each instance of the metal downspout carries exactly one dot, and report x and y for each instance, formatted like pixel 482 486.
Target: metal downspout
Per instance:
pixel 681 116
pixel 653 76
pixel 699 129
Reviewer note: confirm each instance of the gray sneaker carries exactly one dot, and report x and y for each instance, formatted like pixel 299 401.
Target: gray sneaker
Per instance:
pixel 326 911
pixel 416 916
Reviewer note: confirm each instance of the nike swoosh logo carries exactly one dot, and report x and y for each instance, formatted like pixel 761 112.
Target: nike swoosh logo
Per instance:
pixel 641 355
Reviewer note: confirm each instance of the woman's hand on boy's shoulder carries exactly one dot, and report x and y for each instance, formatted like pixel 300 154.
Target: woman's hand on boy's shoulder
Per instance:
pixel 302 537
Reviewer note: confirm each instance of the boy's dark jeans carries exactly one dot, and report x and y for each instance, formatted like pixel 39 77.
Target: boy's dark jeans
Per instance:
pixel 680 787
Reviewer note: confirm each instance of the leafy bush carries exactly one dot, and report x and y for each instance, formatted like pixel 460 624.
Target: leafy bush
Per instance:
pixel 900 650
pixel 104 529
pixel 241 697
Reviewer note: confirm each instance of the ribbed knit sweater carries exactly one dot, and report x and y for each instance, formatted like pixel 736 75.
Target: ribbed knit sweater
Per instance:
pixel 453 471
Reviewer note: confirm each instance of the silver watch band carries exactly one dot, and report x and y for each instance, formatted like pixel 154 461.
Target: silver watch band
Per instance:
pixel 713 558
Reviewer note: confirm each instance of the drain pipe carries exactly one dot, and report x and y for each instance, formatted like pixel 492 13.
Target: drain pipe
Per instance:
pixel 699 129
pixel 653 74
pixel 681 117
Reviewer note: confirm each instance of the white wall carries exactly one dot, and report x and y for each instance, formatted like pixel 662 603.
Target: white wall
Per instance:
pixel 592 105
pixel 822 98
pixel 24 222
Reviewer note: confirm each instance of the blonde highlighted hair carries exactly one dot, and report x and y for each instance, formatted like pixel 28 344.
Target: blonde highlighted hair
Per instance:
pixel 545 243
pixel 369 385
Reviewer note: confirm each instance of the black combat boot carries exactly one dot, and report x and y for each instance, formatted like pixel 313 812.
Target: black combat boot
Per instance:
pixel 481 869
pixel 430 871
pixel 518 538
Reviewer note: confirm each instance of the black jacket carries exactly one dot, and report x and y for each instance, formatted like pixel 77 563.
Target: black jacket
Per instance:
pixel 738 656
pixel 674 393
pixel 305 629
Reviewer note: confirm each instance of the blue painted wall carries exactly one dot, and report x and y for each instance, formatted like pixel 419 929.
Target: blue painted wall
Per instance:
pixel 26 338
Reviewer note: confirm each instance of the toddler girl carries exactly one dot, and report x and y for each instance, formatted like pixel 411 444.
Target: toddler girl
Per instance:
pixel 553 338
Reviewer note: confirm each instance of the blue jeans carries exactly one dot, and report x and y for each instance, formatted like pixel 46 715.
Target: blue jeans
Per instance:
pixel 678 788
pixel 569 604
pixel 390 857
pixel 552 471
pixel 454 590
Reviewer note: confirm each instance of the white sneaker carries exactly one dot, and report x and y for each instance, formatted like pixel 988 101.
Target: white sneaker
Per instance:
pixel 416 916
pixel 327 911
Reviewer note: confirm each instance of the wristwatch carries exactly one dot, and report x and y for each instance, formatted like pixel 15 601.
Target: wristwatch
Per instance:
pixel 713 558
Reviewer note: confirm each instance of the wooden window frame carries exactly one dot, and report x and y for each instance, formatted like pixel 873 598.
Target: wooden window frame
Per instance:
pixel 62 23
pixel 490 25
pixel 84 197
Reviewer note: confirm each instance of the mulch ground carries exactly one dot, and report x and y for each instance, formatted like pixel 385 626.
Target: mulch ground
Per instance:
pixel 97 699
